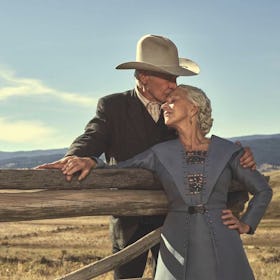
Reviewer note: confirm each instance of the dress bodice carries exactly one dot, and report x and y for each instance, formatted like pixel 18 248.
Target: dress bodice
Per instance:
pixel 195 175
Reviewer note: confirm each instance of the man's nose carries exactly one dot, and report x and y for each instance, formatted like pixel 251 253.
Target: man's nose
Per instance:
pixel 172 84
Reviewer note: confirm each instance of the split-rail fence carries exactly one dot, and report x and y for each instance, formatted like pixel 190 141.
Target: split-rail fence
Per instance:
pixel 45 194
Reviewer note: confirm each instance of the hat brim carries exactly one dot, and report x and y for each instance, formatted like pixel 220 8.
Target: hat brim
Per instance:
pixel 187 67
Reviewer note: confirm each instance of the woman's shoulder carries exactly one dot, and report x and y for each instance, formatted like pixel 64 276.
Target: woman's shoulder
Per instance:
pixel 225 143
pixel 222 148
pixel 167 146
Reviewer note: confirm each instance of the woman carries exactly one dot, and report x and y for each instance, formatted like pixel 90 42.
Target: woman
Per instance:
pixel 196 172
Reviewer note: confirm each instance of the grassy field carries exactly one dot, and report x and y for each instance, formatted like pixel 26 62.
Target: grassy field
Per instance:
pixel 46 249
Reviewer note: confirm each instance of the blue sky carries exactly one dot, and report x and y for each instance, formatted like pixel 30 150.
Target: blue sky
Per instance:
pixel 57 57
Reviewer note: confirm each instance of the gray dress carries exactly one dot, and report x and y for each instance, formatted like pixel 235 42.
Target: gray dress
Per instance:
pixel 195 244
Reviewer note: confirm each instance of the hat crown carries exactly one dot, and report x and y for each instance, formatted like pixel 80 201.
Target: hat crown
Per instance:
pixel 157 50
pixel 159 54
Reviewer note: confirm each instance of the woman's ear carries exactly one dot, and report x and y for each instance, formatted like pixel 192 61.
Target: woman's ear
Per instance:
pixel 194 110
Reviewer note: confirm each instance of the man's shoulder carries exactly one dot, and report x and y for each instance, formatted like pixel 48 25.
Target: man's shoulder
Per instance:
pixel 118 97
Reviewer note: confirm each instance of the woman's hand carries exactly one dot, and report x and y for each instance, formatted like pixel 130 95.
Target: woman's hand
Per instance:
pixel 234 223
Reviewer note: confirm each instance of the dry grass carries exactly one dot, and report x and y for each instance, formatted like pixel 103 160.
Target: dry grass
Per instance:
pixel 46 249
pixel 263 250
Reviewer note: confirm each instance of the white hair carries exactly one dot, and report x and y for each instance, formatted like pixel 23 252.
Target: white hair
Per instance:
pixel 200 99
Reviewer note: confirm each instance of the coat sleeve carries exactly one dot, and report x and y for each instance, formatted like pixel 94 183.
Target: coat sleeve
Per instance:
pixel 257 185
pixel 96 138
pixel 146 160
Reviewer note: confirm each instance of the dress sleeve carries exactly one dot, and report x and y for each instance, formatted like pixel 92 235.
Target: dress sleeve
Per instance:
pixel 96 137
pixel 257 185
pixel 146 160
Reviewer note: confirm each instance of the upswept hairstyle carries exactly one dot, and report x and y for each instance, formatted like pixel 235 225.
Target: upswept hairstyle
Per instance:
pixel 199 99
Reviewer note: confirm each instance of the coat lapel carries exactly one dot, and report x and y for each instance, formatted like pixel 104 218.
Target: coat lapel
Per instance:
pixel 171 155
pixel 219 153
pixel 135 109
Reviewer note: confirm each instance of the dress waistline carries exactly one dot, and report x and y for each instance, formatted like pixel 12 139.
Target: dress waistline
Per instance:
pixel 200 208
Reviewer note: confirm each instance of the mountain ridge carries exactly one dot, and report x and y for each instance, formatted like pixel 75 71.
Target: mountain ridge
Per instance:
pixel 265 148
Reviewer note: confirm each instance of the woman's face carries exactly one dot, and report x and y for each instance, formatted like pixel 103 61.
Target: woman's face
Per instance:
pixel 178 109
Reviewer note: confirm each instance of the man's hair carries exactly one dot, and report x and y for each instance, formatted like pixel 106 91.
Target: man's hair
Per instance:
pixel 200 99
pixel 136 74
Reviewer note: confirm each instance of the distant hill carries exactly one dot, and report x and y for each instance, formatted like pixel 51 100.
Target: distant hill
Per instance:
pixel 29 159
pixel 20 154
pixel 256 137
pixel 266 150
pixel 273 211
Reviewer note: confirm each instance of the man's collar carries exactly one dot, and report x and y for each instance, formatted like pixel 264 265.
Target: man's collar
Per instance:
pixel 142 98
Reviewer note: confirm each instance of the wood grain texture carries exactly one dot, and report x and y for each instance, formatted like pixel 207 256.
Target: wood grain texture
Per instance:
pixel 27 179
pixel 127 192
pixel 75 203
pixel 109 263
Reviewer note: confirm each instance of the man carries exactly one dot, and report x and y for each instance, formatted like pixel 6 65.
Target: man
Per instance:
pixel 128 123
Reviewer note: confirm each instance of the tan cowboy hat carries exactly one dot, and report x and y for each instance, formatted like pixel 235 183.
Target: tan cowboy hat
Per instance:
pixel 159 54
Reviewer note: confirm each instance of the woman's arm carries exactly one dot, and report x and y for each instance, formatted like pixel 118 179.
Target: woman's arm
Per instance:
pixel 257 185
pixel 146 159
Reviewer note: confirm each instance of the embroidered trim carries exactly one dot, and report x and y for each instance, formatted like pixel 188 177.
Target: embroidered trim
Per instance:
pixel 195 182
pixel 195 178
pixel 196 157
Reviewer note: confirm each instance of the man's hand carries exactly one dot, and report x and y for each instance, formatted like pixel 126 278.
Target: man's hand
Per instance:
pixel 70 165
pixel 59 164
pixel 78 164
pixel 247 159
pixel 234 223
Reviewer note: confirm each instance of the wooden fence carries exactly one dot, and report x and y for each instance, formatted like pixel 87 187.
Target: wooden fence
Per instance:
pixel 44 194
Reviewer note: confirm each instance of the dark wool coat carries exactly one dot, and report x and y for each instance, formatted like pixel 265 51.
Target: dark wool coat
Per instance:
pixel 122 128
pixel 199 246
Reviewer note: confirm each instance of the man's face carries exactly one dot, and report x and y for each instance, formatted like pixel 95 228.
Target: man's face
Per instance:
pixel 157 86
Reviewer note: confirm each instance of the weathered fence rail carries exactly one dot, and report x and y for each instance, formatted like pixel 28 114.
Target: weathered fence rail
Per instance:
pixel 119 258
pixel 127 192
pixel 52 179
pixel 104 192
pixel 28 194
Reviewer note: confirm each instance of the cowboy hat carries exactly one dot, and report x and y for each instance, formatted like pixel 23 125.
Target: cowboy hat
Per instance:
pixel 159 54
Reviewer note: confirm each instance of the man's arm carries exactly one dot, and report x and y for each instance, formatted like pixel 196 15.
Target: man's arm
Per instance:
pixel 96 138
pixel 93 142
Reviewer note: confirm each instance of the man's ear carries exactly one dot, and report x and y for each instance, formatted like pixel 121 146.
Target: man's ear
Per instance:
pixel 142 76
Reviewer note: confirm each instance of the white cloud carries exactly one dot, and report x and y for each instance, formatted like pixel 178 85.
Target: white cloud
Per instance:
pixel 24 131
pixel 16 86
